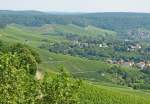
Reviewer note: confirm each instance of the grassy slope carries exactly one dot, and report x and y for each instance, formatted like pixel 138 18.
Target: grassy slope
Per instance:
pixel 52 61
pixel 82 31
pixel 16 33
pixel 94 94
pixel 97 94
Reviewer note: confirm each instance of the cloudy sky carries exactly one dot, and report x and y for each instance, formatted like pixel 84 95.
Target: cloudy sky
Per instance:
pixel 77 5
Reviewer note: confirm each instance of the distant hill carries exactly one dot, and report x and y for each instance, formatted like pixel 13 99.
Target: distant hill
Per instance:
pixel 113 21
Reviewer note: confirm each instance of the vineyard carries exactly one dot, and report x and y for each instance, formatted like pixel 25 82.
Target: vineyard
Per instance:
pixel 96 94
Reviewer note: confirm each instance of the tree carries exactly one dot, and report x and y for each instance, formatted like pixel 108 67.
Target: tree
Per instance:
pixel 28 59
pixel 61 90
pixel 1 46
pixel 17 84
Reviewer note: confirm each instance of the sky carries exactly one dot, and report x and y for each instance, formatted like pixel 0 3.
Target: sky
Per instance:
pixel 77 5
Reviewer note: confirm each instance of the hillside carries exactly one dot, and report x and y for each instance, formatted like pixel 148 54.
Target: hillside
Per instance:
pixel 104 20
pixel 81 67
pixel 33 37
pixel 99 94
pixel 126 25
pixel 100 78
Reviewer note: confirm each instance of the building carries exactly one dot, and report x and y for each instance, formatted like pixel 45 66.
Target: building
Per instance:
pixel 128 64
pixel 141 65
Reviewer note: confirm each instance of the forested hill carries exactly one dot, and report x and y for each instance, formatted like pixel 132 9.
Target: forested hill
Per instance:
pixel 113 21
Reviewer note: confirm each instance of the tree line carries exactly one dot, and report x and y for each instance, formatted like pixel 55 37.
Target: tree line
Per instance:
pixel 119 22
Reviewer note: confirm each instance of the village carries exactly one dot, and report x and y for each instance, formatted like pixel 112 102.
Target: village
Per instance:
pixel 127 52
pixel 100 44
pixel 141 65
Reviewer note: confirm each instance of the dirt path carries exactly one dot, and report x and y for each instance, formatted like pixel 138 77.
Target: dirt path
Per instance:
pixel 39 75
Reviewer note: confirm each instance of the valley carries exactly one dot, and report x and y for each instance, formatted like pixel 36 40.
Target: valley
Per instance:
pixel 114 67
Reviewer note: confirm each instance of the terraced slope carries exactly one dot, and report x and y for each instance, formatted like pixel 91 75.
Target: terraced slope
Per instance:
pixel 97 94
pixel 32 36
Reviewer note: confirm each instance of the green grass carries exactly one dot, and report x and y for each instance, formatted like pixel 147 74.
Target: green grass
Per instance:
pixel 99 94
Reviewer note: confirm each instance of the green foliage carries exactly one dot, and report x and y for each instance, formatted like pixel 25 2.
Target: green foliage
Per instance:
pixel 17 78
pixel 114 21
pixel 17 84
pixel 26 59
pixel 61 90
pixel 35 54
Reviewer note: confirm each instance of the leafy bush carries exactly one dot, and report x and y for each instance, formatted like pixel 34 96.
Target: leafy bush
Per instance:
pixel 61 90
pixel 19 86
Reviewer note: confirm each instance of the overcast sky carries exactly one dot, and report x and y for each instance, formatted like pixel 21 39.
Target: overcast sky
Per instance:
pixel 77 5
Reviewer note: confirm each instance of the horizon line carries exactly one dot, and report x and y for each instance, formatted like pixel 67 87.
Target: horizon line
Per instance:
pixel 72 12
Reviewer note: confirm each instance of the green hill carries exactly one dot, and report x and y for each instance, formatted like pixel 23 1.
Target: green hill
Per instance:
pixel 56 29
pixel 90 70
pixel 32 37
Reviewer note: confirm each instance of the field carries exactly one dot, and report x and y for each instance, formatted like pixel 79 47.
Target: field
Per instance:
pixel 99 94
pixel 94 93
